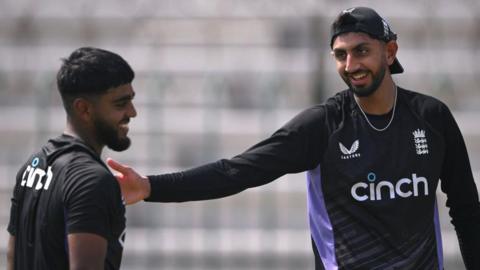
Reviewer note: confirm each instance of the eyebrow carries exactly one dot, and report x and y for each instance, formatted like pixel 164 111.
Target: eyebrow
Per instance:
pixel 125 97
pixel 355 47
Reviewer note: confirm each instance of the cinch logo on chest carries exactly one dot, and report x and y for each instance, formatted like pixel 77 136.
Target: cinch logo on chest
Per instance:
pixel 404 188
pixel 349 153
pixel 32 173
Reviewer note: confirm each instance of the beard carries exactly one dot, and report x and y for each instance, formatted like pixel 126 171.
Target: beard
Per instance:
pixel 109 136
pixel 369 89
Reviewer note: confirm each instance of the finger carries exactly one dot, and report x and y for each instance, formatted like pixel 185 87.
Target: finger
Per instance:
pixel 117 166
pixel 119 176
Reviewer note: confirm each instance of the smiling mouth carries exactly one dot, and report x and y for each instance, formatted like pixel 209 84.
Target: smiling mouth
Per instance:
pixel 125 122
pixel 124 126
pixel 359 75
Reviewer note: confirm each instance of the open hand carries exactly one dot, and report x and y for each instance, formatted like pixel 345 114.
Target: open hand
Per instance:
pixel 135 187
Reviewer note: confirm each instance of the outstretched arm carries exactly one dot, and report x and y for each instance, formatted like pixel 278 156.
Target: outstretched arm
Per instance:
pixel 296 147
pixel 135 187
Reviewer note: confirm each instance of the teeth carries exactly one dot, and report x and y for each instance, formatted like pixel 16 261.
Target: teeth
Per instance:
pixel 359 76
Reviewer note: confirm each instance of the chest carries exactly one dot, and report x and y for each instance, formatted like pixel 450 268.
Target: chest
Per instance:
pixel 403 160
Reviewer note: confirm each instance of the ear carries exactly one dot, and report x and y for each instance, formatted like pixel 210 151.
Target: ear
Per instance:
pixel 391 48
pixel 82 108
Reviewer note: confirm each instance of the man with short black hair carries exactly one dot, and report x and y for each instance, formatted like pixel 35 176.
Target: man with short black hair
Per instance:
pixel 67 210
pixel 374 155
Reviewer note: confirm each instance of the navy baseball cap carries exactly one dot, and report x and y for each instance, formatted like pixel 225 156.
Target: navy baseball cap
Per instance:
pixel 366 20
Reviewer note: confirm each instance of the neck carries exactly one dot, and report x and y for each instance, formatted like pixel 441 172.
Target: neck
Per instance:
pixel 84 134
pixel 382 100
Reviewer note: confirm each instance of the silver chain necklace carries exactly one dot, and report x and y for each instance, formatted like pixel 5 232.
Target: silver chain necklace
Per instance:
pixel 391 118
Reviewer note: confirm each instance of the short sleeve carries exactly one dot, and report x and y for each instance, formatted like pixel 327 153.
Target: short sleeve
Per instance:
pixel 89 196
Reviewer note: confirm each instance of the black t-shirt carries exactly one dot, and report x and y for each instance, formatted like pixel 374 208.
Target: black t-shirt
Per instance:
pixel 371 194
pixel 62 189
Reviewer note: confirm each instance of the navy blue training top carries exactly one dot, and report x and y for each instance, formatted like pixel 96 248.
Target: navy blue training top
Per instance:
pixel 371 194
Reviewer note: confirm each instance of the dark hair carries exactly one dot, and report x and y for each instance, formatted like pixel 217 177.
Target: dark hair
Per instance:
pixel 90 72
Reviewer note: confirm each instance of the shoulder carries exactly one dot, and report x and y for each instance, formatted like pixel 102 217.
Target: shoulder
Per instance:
pixel 423 104
pixel 83 173
pixel 332 110
pixel 429 109
pixel 80 162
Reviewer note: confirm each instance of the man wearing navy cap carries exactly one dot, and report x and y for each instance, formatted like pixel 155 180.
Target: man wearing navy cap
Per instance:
pixel 374 155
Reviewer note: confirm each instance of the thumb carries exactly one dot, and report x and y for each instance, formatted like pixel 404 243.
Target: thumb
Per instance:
pixel 117 166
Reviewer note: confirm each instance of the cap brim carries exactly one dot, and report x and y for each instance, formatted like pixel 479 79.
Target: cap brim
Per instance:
pixel 395 67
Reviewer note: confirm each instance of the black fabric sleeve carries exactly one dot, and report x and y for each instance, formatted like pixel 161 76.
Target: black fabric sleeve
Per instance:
pixel 88 195
pixel 295 147
pixel 462 195
pixel 12 224
pixel 15 200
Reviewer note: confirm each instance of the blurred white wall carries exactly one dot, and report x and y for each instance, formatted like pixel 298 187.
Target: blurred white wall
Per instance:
pixel 212 78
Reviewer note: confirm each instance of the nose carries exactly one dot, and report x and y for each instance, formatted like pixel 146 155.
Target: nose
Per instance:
pixel 132 112
pixel 351 64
